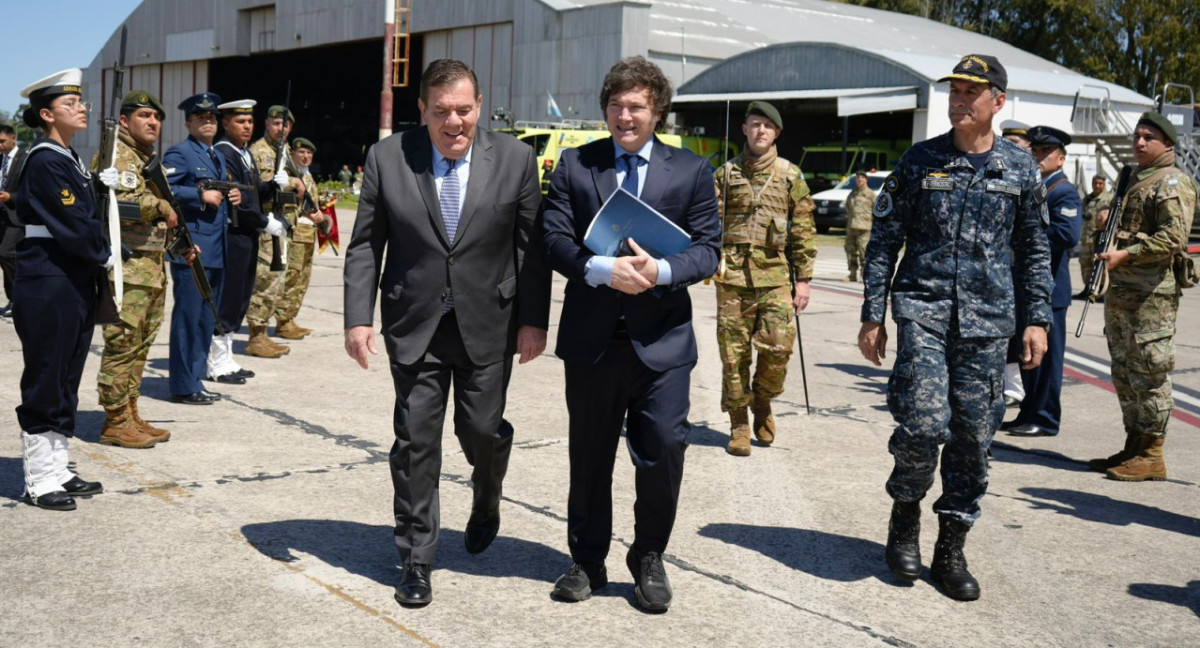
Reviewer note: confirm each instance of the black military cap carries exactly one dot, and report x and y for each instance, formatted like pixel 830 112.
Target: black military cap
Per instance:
pixel 1160 122
pixel 979 68
pixel 1049 136
pixel 199 104
pixel 281 112
pixel 766 110
pixel 304 143
pixel 142 99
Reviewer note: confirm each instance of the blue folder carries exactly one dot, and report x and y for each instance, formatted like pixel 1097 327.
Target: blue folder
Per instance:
pixel 623 216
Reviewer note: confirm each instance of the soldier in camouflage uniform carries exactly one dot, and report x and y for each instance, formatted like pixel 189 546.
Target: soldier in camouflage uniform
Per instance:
pixel 967 207
pixel 1093 204
pixel 300 252
pixel 766 210
pixel 145 219
pixel 268 287
pixel 1143 299
pixel 858 224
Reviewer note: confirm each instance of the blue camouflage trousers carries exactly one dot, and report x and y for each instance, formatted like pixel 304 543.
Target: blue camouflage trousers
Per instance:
pixel 944 390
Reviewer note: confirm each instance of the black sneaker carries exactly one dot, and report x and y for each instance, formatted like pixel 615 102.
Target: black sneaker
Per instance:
pixel 580 581
pixel 651 586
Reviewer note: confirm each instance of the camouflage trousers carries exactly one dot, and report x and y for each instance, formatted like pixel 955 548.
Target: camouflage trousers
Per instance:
pixel 856 248
pixel 1140 328
pixel 747 319
pixel 126 347
pixel 268 286
pixel 1087 249
pixel 298 273
pixel 948 390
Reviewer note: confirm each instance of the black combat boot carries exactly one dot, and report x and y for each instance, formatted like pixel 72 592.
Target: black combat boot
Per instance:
pixel 949 569
pixel 903 543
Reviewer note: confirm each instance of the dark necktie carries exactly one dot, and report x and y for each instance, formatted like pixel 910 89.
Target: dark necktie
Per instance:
pixel 448 198
pixel 212 155
pixel 630 183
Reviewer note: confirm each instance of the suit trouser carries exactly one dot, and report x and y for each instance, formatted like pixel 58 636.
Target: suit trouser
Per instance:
pixel 241 263
pixel 191 329
pixel 54 317
pixel 1043 385
pixel 10 235
pixel 422 389
pixel 654 406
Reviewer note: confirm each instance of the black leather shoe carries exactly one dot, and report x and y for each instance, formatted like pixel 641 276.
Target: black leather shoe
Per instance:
pixel 231 379
pixel 651 586
pixel 1008 425
pixel 1029 430
pixel 480 535
pixel 580 581
pixel 244 373
pixel 414 589
pixel 195 398
pixel 82 488
pixel 210 395
pixel 56 501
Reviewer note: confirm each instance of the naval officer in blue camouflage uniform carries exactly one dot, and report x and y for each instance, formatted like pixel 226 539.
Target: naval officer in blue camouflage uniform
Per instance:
pixel 968 207
pixel 1041 410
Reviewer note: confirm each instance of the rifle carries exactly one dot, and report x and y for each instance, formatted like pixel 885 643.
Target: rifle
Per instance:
pixel 106 202
pixel 223 187
pixel 282 159
pixel 182 237
pixel 1106 240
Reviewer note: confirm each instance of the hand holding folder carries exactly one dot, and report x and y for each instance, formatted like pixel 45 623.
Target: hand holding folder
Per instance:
pixel 623 216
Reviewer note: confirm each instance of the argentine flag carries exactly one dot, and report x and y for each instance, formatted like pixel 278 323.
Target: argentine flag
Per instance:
pixel 552 106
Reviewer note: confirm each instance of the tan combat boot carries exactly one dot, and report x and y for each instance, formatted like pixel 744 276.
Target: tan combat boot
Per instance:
pixel 1131 449
pixel 764 420
pixel 260 345
pixel 289 330
pixel 739 437
pixel 1147 465
pixel 121 430
pixel 158 434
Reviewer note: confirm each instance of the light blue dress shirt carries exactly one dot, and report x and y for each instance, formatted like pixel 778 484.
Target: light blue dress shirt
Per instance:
pixel 598 270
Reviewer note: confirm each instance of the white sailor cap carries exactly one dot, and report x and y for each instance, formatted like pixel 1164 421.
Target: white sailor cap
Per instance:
pixel 1014 127
pixel 239 107
pixel 60 83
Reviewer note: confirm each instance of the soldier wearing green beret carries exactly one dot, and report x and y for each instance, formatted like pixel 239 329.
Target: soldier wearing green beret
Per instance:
pixel 300 252
pixel 269 286
pixel 766 211
pixel 1142 301
pixel 145 219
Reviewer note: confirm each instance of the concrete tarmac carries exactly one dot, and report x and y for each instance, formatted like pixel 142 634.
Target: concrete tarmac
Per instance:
pixel 266 520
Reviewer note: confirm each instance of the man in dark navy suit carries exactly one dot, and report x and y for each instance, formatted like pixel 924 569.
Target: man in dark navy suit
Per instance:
pixel 188 164
pixel 1041 410
pixel 626 330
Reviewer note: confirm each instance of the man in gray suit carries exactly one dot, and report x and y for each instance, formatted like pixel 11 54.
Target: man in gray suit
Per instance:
pixel 464 288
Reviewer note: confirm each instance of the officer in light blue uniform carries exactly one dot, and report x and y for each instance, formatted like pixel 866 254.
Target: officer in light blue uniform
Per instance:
pixel 1041 410
pixel 967 208
pixel 188 164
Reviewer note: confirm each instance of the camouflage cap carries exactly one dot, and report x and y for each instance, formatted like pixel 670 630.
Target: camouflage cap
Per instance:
pixel 281 112
pixel 766 110
pixel 1160 122
pixel 304 143
pixel 141 99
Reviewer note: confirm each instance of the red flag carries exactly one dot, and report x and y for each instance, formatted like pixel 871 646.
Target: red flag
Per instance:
pixel 331 238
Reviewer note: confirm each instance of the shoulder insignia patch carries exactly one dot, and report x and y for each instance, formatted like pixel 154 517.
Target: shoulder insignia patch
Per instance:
pixel 892 184
pixel 128 180
pixel 1069 213
pixel 883 205
pixel 1039 194
pixel 67 197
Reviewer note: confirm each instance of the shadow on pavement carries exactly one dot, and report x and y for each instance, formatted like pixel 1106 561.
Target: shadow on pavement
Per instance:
pixel 1008 453
pixel 1101 508
pixel 12 478
pixel 1187 596
pixel 703 435
pixel 824 555
pixel 370 551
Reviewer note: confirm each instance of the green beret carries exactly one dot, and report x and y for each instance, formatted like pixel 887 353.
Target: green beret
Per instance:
pixel 1161 123
pixel 304 142
pixel 281 112
pixel 766 110
pixel 142 99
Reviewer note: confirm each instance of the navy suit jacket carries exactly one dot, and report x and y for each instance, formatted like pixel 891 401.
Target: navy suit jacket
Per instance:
pixel 1066 222
pixel 187 163
pixel 679 184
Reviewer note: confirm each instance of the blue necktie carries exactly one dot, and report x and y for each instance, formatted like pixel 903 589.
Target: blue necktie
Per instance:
pixel 630 183
pixel 448 198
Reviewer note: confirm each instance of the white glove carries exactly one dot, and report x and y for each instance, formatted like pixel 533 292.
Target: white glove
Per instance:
pixel 274 227
pixel 112 259
pixel 282 179
pixel 109 177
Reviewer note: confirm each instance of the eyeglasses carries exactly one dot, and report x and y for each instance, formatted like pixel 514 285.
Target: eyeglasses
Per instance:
pixel 72 105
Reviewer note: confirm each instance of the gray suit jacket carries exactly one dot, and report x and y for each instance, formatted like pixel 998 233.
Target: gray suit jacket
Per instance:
pixel 494 265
